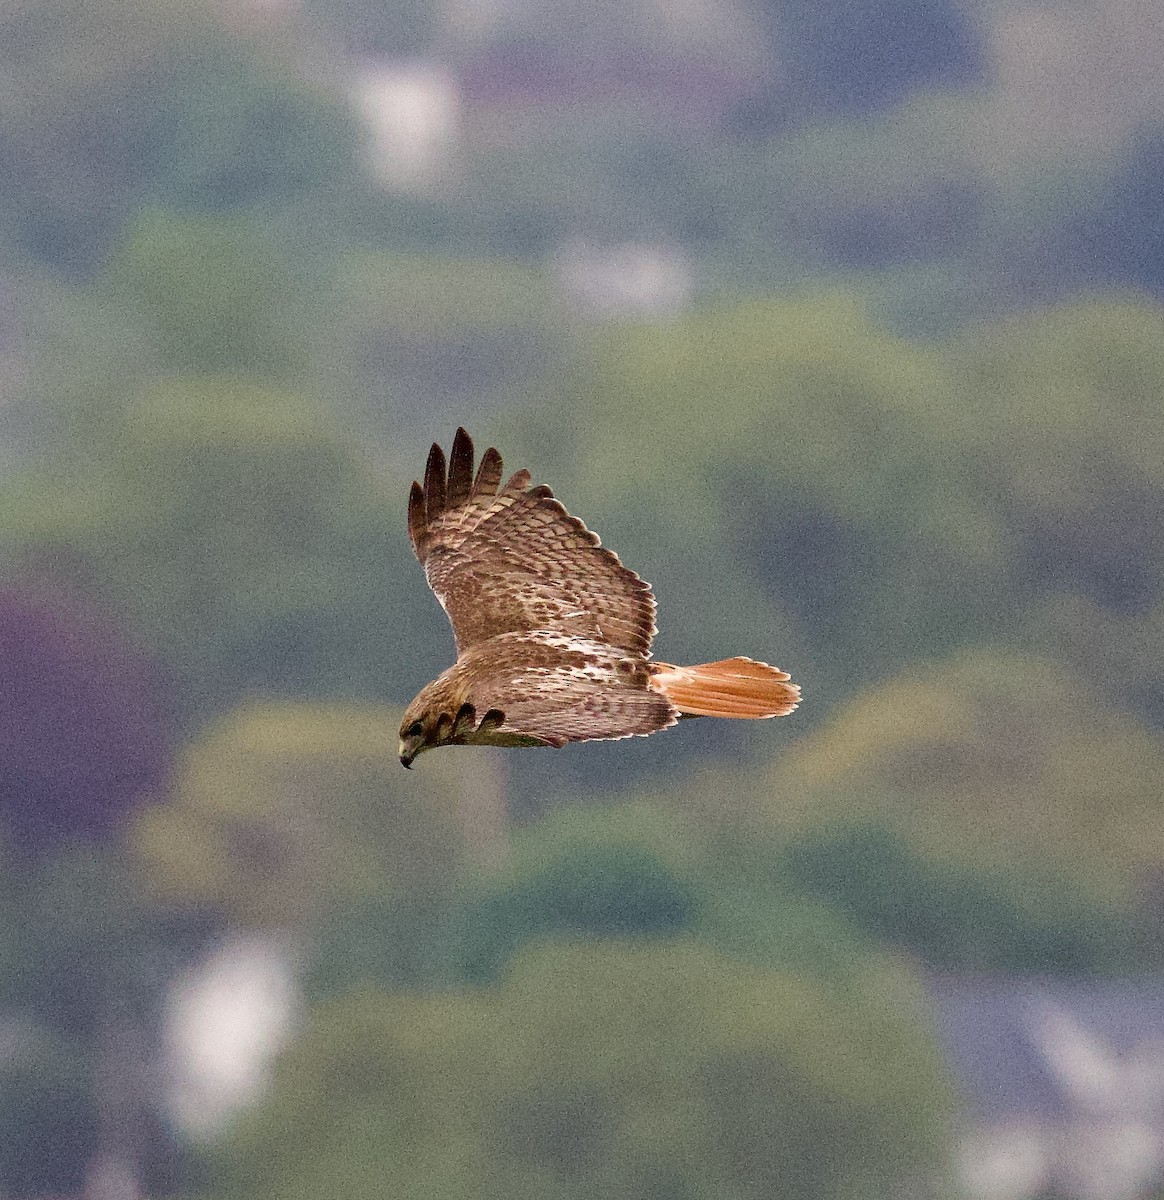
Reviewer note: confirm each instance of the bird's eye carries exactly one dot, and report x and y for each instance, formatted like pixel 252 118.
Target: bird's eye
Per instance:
pixel 414 730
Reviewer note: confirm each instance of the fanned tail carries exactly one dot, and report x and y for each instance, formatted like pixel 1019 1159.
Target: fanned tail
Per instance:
pixel 732 687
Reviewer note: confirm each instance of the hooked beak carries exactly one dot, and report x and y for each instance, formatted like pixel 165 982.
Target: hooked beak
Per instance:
pixel 409 748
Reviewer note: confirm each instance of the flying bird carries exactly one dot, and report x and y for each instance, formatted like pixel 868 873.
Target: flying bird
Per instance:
pixel 553 633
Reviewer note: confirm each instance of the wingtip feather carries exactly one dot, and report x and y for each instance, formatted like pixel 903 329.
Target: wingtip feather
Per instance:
pixel 518 481
pixel 488 474
pixel 434 482
pixel 417 517
pixel 460 479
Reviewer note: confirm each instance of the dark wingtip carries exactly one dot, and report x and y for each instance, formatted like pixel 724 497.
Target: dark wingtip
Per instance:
pixel 434 482
pixel 417 517
pixel 460 469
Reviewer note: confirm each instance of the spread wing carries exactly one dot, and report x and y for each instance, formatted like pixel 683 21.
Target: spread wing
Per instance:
pixel 510 559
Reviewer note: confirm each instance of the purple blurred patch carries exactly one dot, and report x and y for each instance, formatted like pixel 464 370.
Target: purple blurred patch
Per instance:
pixel 87 722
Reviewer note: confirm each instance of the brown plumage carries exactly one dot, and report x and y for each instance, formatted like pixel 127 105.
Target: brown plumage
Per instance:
pixel 553 633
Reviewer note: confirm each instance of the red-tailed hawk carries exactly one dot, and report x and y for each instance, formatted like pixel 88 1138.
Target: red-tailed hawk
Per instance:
pixel 553 633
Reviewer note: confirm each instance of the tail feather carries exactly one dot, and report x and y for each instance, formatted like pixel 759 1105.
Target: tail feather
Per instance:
pixel 732 687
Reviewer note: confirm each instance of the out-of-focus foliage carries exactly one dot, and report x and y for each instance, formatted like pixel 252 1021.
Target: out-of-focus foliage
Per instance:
pixel 1122 237
pixel 101 944
pixel 896 193
pixel 213 294
pixel 962 918
pixel 48 1121
pixel 626 871
pixel 620 871
pixel 236 129
pixel 88 720
pixel 587 59
pixel 592 874
pixel 227 334
pixel 990 757
pixel 394 941
pixel 241 535
pixel 114 105
pixel 609 1069
pixel 282 810
pixel 1064 417
pixel 82 960
pixel 394 29
pixel 71 136
pixel 853 57
pixel 441 332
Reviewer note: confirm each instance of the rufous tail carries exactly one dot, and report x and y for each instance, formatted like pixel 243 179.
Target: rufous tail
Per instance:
pixel 732 687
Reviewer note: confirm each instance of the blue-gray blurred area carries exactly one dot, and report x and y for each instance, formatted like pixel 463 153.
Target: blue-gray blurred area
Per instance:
pixel 841 322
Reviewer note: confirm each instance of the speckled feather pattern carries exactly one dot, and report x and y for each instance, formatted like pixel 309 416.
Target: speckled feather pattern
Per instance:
pixel 503 562
pixel 553 632
pixel 551 629
pixel 554 688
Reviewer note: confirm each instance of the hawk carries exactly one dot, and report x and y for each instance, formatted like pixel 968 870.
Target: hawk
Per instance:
pixel 553 633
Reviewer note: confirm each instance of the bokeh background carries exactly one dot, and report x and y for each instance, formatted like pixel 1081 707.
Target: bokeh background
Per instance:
pixel 841 321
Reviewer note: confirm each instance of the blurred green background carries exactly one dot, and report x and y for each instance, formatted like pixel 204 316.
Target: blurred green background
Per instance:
pixel 840 321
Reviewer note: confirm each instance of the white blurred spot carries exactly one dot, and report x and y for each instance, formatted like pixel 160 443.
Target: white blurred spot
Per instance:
pixel 112 1178
pixel 1004 1164
pixel 225 1021
pixel 634 279
pixel 412 111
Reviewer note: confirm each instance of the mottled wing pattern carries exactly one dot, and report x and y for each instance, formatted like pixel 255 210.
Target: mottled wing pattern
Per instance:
pixel 558 688
pixel 562 704
pixel 511 559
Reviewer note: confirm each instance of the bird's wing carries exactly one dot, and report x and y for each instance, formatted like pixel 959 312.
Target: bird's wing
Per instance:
pixel 509 559
pixel 563 704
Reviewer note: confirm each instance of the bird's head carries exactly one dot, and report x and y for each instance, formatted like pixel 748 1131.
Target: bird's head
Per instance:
pixel 427 725
pixel 415 731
